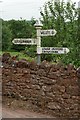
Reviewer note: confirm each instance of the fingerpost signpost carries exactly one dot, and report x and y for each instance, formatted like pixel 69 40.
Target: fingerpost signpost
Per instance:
pixel 38 28
pixel 37 41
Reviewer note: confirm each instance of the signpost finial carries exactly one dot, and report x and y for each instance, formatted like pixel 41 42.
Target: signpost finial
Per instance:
pixel 38 24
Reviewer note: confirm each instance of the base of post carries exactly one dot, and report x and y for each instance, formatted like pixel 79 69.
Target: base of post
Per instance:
pixel 38 59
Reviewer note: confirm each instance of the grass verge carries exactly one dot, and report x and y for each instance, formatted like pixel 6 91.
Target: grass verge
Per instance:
pixel 21 55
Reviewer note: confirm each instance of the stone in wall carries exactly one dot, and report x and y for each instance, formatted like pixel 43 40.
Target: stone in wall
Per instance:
pixel 5 57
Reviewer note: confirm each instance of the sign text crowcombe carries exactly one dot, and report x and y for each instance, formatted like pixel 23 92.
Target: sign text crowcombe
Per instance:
pixel 24 41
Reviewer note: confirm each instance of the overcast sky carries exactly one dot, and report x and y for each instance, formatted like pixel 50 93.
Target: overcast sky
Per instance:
pixel 14 9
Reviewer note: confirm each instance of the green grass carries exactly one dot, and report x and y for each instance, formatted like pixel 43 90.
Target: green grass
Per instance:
pixel 21 55
pixel 0 52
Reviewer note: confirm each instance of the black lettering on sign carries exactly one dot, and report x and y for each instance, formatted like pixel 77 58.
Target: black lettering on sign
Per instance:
pixel 45 32
pixel 23 41
pixel 42 32
pixel 29 41
pixel 16 41
pixel 55 51
pixel 57 48
pixel 45 48
pixel 52 32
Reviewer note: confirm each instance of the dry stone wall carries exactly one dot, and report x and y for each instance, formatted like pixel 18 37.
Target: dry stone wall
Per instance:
pixel 53 88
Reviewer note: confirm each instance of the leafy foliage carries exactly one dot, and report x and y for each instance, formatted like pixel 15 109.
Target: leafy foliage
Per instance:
pixel 17 29
pixel 6 37
pixel 63 17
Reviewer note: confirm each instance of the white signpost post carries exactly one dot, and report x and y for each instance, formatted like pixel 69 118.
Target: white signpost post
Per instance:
pixel 41 33
pixel 38 27
pixel 41 50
